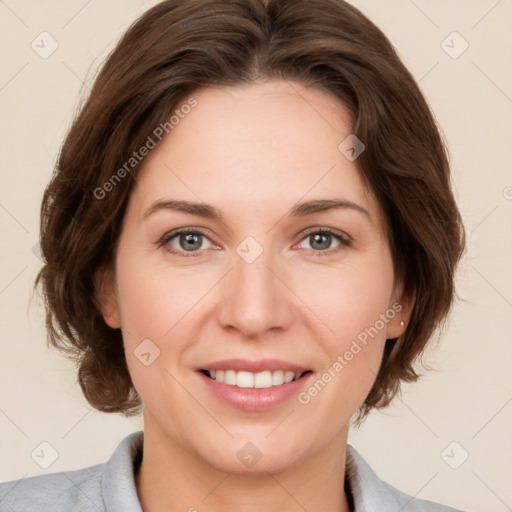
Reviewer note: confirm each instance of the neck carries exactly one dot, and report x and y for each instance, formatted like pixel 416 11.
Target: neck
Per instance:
pixel 172 478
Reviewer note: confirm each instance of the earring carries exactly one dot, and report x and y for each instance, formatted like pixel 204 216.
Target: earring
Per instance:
pixel 402 323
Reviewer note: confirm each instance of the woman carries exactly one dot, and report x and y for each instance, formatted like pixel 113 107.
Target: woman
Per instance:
pixel 251 232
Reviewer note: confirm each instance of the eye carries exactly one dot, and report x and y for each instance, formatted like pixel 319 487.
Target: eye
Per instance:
pixel 185 240
pixel 320 240
pixel 191 242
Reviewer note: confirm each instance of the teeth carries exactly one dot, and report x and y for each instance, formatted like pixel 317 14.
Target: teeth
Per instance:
pixel 277 378
pixel 229 377
pixel 262 379
pixel 288 376
pixel 242 379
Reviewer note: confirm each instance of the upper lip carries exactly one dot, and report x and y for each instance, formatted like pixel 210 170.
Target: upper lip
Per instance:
pixel 254 366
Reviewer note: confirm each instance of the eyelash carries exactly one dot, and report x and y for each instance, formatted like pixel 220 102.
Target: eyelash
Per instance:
pixel 344 239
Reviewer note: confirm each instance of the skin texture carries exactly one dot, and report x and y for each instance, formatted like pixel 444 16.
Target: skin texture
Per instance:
pixel 253 152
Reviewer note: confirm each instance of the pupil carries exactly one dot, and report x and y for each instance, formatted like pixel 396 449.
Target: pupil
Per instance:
pixel 322 239
pixel 191 241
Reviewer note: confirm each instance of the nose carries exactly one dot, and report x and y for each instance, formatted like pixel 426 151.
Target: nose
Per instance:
pixel 255 298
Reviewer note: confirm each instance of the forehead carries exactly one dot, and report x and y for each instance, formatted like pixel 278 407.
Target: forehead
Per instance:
pixel 253 148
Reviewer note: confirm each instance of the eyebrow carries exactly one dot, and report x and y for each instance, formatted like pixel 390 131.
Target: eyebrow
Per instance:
pixel 209 212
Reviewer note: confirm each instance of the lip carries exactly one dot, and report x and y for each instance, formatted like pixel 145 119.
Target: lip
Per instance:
pixel 246 365
pixel 254 399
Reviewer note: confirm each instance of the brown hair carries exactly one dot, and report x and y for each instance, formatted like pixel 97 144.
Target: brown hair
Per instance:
pixel 179 46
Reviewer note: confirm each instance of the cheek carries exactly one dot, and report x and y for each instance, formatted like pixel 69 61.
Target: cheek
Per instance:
pixel 158 308
pixel 351 356
pixel 348 298
pixel 156 300
pixel 166 306
pixel 352 303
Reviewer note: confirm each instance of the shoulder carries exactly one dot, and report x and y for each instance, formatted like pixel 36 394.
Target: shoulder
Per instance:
pixel 104 487
pixel 68 490
pixel 371 494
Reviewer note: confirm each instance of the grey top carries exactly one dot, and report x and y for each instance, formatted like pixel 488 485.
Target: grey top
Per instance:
pixel 110 487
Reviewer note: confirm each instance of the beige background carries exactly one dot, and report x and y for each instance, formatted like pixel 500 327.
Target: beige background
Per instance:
pixel 467 399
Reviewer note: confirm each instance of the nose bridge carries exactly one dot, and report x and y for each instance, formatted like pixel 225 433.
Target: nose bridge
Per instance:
pixel 254 300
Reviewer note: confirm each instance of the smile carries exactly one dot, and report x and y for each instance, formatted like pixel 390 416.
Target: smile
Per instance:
pixel 245 379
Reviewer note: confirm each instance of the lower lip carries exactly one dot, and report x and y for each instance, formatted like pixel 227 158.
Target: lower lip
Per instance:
pixel 253 399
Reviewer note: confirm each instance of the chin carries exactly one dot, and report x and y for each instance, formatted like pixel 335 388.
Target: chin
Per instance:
pixel 251 458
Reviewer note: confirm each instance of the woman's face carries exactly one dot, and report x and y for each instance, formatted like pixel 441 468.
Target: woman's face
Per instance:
pixel 252 288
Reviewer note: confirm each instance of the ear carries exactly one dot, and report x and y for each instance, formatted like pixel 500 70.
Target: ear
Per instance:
pixel 106 296
pixel 402 304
